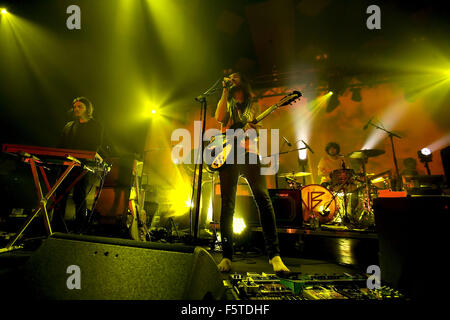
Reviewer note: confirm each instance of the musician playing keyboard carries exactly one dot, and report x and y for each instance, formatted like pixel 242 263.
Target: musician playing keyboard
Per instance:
pixel 83 133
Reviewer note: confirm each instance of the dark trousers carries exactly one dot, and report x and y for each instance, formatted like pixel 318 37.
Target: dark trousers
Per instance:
pixel 80 190
pixel 229 176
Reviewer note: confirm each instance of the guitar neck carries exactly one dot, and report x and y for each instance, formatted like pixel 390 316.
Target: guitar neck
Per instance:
pixel 266 113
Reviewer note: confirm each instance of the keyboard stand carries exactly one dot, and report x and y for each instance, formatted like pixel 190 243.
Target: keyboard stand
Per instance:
pixel 42 200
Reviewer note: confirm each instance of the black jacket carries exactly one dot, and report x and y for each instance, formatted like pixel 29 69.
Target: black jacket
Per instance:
pixel 82 136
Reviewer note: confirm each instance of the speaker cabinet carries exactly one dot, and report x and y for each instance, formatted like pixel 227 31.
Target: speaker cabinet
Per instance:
pixel 119 269
pixel 287 205
pixel 412 233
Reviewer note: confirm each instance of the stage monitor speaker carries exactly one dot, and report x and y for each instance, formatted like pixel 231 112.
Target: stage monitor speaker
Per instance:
pixel 78 267
pixel 412 233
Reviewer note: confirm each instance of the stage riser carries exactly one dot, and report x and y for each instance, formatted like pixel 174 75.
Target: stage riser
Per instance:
pixel 413 233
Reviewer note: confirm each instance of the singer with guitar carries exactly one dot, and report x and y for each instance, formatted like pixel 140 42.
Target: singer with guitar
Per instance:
pixel 236 109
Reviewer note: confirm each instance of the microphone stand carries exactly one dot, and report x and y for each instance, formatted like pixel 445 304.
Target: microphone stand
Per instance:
pixel 277 159
pixel 276 156
pixel 398 182
pixel 203 107
pixel 284 152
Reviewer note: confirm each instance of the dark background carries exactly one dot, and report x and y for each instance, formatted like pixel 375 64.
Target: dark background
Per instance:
pixel 118 52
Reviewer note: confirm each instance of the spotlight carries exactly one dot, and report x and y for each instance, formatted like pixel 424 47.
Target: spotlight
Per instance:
pixel 332 103
pixel 425 156
pixel 302 154
pixel 330 93
pixel 238 225
pixel 153 111
pixel 425 152
pixel 4 11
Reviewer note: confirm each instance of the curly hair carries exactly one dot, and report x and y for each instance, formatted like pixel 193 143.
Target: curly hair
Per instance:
pixel 332 145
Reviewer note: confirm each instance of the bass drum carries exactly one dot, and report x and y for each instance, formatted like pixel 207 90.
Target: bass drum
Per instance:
pixel 315 200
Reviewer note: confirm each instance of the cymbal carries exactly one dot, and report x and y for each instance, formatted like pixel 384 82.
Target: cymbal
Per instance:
pixel 294 174
pixel 366 153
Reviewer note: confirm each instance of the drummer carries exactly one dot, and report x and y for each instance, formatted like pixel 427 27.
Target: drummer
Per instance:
pixel 333 160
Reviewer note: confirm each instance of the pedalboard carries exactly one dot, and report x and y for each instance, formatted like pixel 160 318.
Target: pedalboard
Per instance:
pixel 297 286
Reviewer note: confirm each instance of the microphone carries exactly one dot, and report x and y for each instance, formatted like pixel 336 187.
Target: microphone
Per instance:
pixel 307 146
pixel 287 141
pixel 228 82
pixel 367 124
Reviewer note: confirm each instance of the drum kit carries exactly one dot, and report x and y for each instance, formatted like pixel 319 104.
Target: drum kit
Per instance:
pixel 346 201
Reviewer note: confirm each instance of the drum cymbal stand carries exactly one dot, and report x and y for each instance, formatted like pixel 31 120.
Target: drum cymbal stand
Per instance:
pixel 367 201
pixel 398 181
pixel 342 186
pixel 276 157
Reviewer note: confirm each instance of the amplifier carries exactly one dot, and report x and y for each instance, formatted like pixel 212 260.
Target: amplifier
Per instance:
pixel 287 204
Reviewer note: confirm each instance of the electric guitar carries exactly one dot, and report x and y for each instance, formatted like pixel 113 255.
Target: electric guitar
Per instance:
pixel 220 146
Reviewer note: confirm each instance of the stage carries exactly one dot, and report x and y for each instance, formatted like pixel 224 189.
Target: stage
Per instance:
pixel 142 140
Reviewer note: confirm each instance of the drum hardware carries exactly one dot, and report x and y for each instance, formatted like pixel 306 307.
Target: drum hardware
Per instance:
pixel 292 183
pixel 398 182
pixel 363 156
pixel 341 187
pixel 294 174
pixel 277 155
pixel 291 179
pixel 366 153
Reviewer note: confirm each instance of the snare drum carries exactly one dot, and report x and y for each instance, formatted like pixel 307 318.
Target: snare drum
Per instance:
pixel 315 200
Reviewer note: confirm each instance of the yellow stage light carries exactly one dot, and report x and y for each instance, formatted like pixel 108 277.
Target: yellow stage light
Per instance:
pixel 153 111
pixel 238 225
pixel 330 93
pixel 4 11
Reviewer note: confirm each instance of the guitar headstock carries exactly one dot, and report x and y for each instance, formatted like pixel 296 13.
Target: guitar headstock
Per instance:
pixel 291 97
